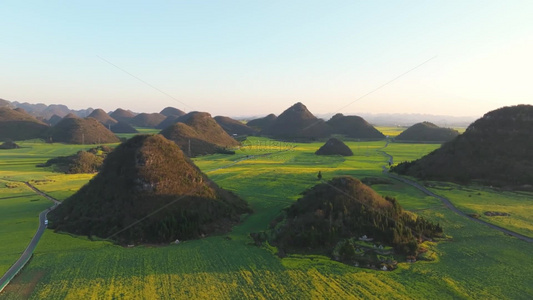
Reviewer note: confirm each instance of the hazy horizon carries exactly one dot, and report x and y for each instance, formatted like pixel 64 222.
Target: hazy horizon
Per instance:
pixel 241 58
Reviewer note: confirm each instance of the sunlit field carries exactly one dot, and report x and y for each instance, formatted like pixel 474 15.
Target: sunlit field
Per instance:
pixel 474 262
pixel 391 131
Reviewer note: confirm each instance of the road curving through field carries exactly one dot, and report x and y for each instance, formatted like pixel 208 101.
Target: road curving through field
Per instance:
pixel 28 252
pixel 446 201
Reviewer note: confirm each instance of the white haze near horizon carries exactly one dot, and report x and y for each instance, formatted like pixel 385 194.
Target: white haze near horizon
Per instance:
pixel 251 58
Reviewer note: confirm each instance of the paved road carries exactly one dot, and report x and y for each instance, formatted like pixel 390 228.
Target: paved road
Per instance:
pixel 449 204
pixel 26 255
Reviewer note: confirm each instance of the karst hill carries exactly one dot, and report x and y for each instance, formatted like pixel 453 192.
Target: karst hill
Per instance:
pixel 149 182
pixel 102 117
pixel 497 150
pixel 234 127
pixel 297 123
pixel 16 124
pixel 147 120
pixel 427 132
pixel 344 209
pixel 122 115
pixel 334 146
pixel 75 130
pixel 262 123
pixel 172 111
pixel 197 133
pixel 354 127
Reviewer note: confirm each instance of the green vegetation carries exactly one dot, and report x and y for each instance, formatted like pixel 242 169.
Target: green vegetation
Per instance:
pixel 19 219
pixel 477 262
pixel 139 178
pixel 197 133
pixel 80 131
pixel 495 150
pixel 354 127
pixel 297 123
pixel 16 124
pixel 263 122
pixel 515 207
pixel 89 161
pixel 334 146
pixel 427 132
pixel 234 127
pixel 147 120
pixel 102 117
pixel 336 213
pixel 407 152
pixel 391 131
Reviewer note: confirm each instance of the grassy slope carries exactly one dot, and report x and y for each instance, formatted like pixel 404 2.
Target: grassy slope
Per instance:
pixel 477 263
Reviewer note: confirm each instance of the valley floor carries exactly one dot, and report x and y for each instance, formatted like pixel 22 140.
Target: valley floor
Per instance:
pixel 476 262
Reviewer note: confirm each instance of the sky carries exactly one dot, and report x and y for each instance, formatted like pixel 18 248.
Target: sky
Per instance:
pixel 251 58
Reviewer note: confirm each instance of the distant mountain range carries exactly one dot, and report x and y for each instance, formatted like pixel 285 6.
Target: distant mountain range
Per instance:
pixel 45 112
pixel 411 119
pixel 399 119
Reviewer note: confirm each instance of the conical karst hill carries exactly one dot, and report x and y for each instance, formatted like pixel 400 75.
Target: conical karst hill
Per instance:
pixel 354 127
pixel 80 131
pixel 497 150
pixel 234 127
pixel 172 111
pixel 54 120
pixel 197 133
pixel 169 121
pixel 123 127
pixel 262 123
pixel 18 125
pixel 147 120
pixel 297 122
pixel 122 115
pixel 102 117
pixel 427 132
pixel 149 182
pixel 342 210
pixel 334 146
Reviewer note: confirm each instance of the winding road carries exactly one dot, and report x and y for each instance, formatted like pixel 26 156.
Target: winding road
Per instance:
pixel 26 255
pixel 447 202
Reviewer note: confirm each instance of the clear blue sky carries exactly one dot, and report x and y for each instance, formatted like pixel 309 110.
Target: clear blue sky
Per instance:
pixel 257 57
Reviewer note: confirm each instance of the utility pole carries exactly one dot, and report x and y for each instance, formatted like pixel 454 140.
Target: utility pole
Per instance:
pixel 83 139
pixel 189 147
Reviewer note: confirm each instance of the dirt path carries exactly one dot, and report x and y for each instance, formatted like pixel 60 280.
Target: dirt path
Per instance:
pixel 447 202
pixel 26 255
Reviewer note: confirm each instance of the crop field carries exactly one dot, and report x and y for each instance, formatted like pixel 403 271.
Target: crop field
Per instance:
pixel 19 219
pixel 391 131
pixel 474 262
pixel 476 199
pixel 479 200
pixel 141 130
pixel 408 151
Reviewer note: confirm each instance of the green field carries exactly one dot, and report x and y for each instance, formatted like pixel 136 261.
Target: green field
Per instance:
pixel 391 131
pixel 408 151
pixel 476 262
pixel 19 219
pixel 478 200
